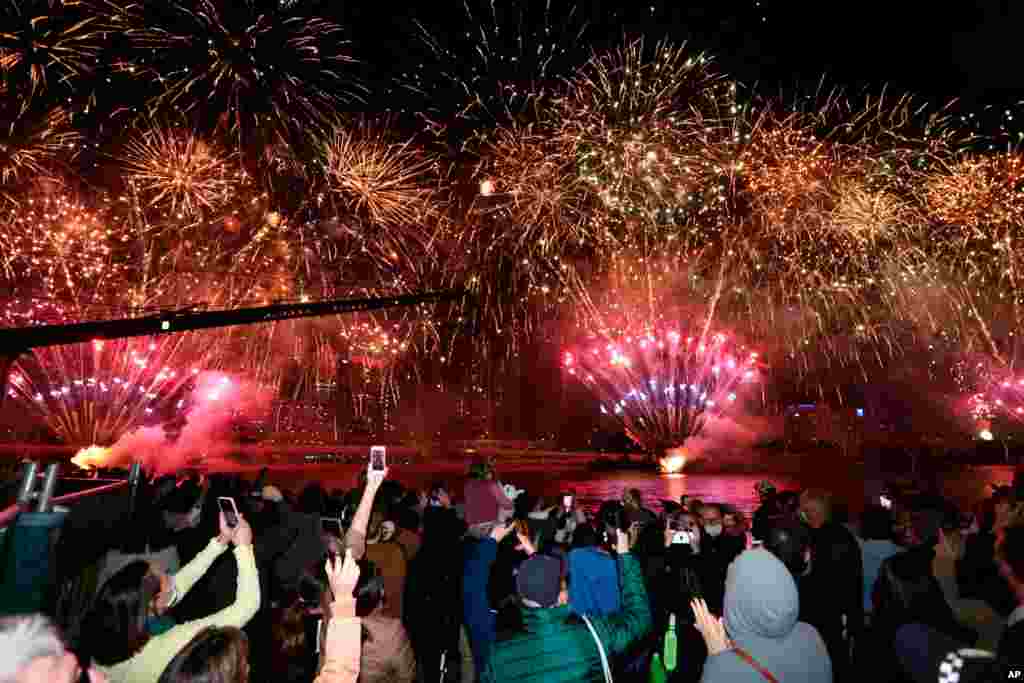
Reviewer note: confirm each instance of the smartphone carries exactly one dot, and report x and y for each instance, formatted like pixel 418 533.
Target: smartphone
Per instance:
pixel 567 502
pixel 319 635
pixel 682 538
pixel 378 458
pixel 230 510
pixel 332 526
pixel 885 502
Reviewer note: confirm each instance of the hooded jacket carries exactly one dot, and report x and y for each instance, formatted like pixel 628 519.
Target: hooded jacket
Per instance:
pixel 761 610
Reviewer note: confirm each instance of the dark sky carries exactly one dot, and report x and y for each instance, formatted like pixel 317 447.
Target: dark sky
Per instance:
pixel 966 49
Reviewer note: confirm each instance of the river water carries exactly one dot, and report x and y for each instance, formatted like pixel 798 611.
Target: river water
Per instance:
pixel 964 485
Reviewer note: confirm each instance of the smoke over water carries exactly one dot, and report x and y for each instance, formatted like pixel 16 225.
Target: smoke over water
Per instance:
pixel 206 434
pixel 728 435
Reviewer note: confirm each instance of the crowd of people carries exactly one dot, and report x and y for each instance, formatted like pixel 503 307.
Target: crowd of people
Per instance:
pixel 383 583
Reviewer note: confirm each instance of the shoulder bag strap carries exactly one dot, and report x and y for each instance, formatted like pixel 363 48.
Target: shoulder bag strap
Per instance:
pixel 745 656
pixel 600 649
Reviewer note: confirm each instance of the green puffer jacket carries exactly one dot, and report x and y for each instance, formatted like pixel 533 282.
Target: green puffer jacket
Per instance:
pixel 556 645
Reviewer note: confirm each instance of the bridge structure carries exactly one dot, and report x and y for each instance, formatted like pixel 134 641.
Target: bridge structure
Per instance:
pixel 15 342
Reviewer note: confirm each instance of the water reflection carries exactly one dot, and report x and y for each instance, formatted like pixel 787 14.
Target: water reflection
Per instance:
pixel 964 485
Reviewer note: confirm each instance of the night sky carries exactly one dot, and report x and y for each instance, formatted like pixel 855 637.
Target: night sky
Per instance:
pixel 910 45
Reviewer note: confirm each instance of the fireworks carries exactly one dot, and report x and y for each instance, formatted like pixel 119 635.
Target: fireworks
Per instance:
pixel 34 144
pixel 386 184
pixel 179 173
pixel 261 71
pixel 92 394
pixel 46 42
pixel 507 60
pixel 662 386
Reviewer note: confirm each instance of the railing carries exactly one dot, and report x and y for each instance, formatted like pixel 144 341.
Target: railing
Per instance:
pixel 7 515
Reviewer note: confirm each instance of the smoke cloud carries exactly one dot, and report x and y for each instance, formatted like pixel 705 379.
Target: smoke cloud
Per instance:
pixel 217 401
pixel 729 434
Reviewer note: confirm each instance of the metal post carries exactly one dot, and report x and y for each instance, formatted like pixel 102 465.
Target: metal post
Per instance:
pixel 49 486
pixel 28 482
pixel 134 477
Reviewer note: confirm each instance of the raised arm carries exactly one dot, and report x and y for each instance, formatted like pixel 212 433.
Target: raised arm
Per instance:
pixel 355 539
pixel 624 628
pixel 188 575
pixel 247 595
pixel 343 642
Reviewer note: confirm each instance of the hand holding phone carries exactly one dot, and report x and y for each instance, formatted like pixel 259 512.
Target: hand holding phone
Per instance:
pixel 378 458
pixel 229 510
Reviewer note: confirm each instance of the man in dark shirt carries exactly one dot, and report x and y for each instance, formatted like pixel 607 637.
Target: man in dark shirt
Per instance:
pixel 836 580
pixel 1011 566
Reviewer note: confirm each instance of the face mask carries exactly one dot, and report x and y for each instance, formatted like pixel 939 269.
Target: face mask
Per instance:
pixel 713 530
pixel 158 625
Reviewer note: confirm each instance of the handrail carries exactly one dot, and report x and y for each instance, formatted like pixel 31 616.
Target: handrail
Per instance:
pixel 7 515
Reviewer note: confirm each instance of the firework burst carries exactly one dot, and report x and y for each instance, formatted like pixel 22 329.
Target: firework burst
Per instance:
pixel 48 42
pixel 35 144
pixel 508 59
pixel 384 185
pixel 95 393
pixel 662 386
pixel 261 71
pixel 181 174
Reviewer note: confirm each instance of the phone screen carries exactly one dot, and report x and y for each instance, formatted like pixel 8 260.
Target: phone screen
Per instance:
pixel 681 538
pixel 378 458
pixel 331 525
pixel 567 501
pixel 885 502
pixel 227 506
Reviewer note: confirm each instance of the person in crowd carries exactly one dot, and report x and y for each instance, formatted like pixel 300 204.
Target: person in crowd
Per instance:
pixel 907 592
pixel 768 509
pixel 290 657
pixel 33 651
pixel 1011 566
pixel 927 656
pixel 432 611
pixel 876 546
pixel 340 659
pixel 717 552
pixel 485 500
pixel 366 539
pixel 835 584
pixel 636 513
pixel 387 654
pixel 595 591
pixel 114 629
pixel 790 542
pixel 675 582
pixel 978 574
pixel 760 637
pixel 214 655
pixel 554 644
pixel 479 618
pixel 734 524
pixel 566 520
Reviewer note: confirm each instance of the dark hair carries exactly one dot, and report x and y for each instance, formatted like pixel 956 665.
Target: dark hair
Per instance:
pixel 311 500
pixel 369 591
pixel 1011 550
pixel 288 636
pixel 215 655
pixel 114 628
pixel 788 542
pixel 876 523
